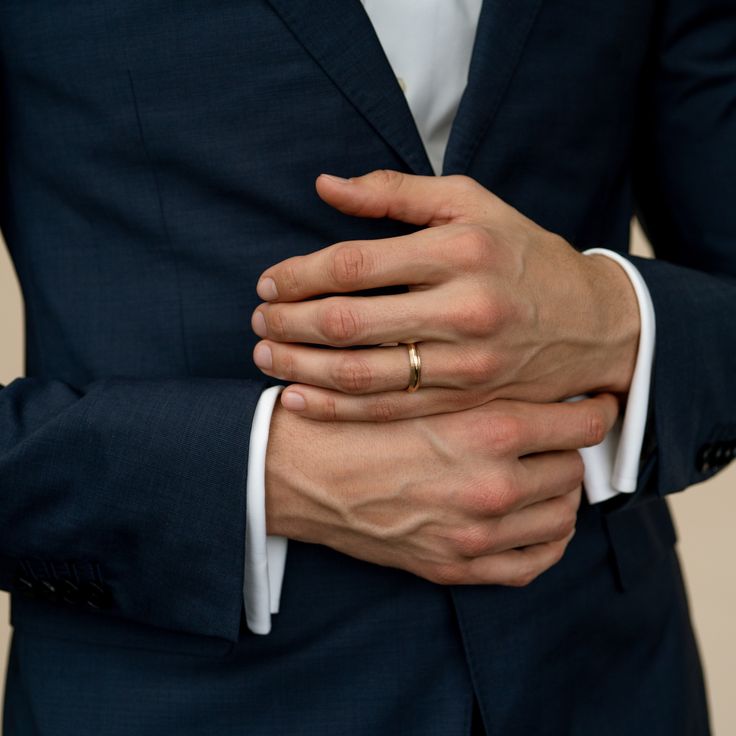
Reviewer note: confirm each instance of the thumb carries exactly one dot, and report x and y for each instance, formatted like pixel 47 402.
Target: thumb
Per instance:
pixel 419 200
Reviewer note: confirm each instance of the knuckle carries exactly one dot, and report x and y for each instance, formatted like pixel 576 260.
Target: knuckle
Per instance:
pixel 471 541
pixel 564 526
pixel 349 265
pixel 525 575
pixel 572 474
pixel 353 375
pixel 448 573
pixel 501 435
pixel 285 365
pixel 520 580
pixel 479 317
pixel 289 278
pixel 505 497
pixel 578 468
pixel 463 185
pixel 497 499
pixel 383 410
pixel 277 325
pixel 595 428
pixel 473 247
pixel 388 178
pixel 329 408
pixel 340 325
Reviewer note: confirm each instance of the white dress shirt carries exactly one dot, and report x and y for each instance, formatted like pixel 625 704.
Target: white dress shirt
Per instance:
pixel 429 44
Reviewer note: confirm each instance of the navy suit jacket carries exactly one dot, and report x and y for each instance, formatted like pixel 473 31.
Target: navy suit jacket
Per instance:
pixel 155 157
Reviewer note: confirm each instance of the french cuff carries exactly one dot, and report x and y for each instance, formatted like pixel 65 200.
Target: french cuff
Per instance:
pixel 265 556
pixel 612 467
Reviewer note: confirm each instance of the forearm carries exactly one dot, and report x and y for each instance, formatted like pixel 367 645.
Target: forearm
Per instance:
pixel 145 479
pixel 694 396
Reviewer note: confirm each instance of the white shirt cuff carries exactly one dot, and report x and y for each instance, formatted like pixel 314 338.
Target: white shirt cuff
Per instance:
pixel 265 556
pixel 612 467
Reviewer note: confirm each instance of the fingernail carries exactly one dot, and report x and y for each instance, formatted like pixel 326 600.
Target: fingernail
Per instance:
pixel 259 325
pixel 293 401
pixel 263 357
pixel 267 290
pixel 336 179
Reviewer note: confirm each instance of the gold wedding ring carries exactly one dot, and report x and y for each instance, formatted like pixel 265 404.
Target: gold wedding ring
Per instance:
pixel 415 367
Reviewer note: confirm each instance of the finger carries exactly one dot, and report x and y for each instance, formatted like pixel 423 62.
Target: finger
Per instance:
pixel 514 433
pixel 547 521
pixel 547 475
pixel 328 405
pixel 531 428
pixel 420 200
pixel 519 567
pixel 349 321
pixel 366 371
pixel 516 567
pixel 533 480
pixel 357 265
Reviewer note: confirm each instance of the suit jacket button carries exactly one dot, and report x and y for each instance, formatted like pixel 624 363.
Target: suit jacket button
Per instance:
pixel 97 596
pixel 704 458
pixel 70 592
pixel 47 590
pixel 25 585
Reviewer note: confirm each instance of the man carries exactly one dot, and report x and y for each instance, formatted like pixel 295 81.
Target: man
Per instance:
pixel 158 163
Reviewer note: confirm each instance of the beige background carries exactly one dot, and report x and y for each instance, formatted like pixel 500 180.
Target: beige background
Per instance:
pixel 704 518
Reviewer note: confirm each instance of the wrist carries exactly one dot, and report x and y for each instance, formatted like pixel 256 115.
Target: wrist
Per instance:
pixel 280 480
pixel 301 471
pixel 616 322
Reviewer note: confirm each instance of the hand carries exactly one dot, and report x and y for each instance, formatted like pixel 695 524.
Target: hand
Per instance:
pixel 500 308
pixel 486 495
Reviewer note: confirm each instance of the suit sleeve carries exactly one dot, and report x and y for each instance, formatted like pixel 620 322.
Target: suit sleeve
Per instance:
pixel 685 189
pixel 130 490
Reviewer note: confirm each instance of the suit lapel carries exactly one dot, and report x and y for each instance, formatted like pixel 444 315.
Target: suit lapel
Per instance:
pixel 339 36
pixel 503 27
